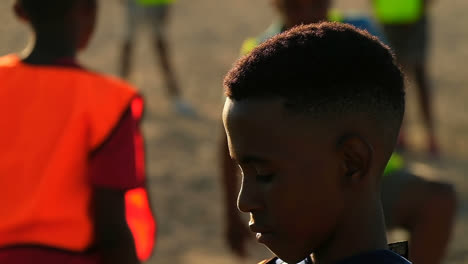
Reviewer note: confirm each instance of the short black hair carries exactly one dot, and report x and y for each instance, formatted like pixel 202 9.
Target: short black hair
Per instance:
pixel 324 68
pixel 47 12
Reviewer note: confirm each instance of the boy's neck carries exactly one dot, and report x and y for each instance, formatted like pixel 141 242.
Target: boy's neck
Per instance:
pixel 362 231
pixel 47 48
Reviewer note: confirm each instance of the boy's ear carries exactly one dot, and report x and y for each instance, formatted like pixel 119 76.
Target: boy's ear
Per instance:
pixel 357 154
pixel 19 11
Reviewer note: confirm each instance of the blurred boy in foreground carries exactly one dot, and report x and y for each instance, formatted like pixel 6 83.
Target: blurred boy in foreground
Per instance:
pixel 71 147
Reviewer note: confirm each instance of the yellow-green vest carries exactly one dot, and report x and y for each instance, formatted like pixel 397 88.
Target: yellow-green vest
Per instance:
pixel 398 11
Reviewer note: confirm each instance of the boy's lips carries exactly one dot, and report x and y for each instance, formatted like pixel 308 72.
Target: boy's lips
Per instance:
pixel 263 235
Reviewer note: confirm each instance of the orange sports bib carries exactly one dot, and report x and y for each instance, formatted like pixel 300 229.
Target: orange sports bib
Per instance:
pixel 52 119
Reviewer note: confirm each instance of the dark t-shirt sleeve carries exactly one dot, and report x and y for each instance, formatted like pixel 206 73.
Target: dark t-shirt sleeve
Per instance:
pixel 118 163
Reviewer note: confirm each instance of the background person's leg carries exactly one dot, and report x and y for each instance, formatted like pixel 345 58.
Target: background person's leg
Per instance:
pixel 424 94
pixel 416 59
pixel 127 50
pixel 127 46
pixel 160 15
pixel 410 43
pixel 163 55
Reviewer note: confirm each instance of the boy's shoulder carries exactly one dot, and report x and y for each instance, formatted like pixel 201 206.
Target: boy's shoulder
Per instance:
pixel 104 88
pixel 110 81
pixel 89 78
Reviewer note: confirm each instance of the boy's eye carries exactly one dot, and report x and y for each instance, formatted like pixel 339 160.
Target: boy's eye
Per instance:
pixel 265 178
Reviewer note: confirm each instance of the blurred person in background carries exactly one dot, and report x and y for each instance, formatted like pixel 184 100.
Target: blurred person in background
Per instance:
pixel 426 209
pixel 406 27
pixel 71 148
pixel 154 13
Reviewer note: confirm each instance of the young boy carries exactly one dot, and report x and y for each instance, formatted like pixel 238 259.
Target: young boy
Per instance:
pixel 405 24
pixel 155 13
pixel 71 146
pixel 425 209
pixel 312 117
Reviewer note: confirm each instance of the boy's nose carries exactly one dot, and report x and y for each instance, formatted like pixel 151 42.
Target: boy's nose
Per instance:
pixel 249 198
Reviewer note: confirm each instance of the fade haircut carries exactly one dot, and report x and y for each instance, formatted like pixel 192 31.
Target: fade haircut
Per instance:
pixel 326 68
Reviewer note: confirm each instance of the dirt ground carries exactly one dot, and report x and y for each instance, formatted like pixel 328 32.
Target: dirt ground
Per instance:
pixel 205 36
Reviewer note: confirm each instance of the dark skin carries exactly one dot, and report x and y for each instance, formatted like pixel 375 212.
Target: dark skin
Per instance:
pixel 113 237
pixel 426 209
pixel 293 13
pixel 61 41
pixel 236 232
pixel 331 178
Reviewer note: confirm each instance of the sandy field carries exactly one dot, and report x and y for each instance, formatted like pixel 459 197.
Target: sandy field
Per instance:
pixel 205 36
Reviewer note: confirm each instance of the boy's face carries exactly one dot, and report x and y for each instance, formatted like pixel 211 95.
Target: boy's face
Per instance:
pixel 296 12
pixel 291 176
